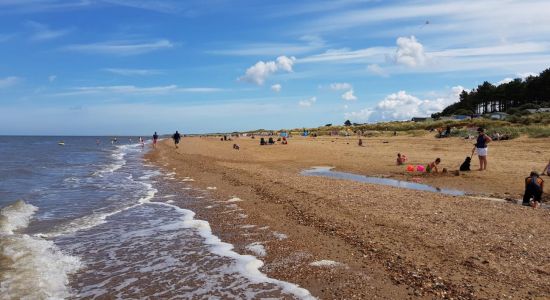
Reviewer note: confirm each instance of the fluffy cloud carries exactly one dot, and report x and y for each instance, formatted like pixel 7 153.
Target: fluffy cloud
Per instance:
pixel 8 81
pixel 285 63
pixel 349 96
pixel 521 76
pixel 505 80
pixel 276 87
pixel 403 106
pixel 340 86
pixel 308 102
pixel 362 115
pixel 409 52
pixel 259 72
pixel 525 75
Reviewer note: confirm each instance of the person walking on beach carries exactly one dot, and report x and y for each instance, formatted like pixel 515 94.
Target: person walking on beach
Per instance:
pixel 176 137
pixel 481 148
pixel 155 138
pixel 534 186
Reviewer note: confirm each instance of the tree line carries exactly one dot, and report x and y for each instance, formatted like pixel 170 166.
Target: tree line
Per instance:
pixel 514 96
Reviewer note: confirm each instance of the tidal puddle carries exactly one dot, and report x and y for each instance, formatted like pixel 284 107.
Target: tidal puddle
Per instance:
pixel 327 172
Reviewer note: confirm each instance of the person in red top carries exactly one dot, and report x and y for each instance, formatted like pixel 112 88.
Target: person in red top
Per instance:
pixel 534 186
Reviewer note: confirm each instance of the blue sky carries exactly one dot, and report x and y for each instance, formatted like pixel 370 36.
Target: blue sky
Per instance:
pixel 135 66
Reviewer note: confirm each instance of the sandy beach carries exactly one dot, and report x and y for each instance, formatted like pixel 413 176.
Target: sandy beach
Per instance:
pixel 342 239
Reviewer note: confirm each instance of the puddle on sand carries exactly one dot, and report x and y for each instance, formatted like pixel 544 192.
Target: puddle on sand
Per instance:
pixel 327 172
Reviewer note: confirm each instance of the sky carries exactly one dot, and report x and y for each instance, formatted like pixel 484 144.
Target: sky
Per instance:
pixel 132 67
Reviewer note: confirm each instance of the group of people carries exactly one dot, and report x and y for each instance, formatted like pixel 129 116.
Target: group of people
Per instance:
pixel 534 184
pixel 270 141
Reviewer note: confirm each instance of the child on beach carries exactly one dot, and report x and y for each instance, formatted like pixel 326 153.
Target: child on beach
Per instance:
pixel 546 169
pixel 433 166
pixel 401 159
pixel 534 186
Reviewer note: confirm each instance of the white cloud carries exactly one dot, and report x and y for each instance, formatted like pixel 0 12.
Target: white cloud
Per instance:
pixel 307 102
pixel 259 72
pixel 307 43
pixel 403 106
pixel 521 76
pixel 377 70
pixel 505 80
pixel 338 55
pixel 169 7
pixel 52 78
pixel 131 72
pixel 276 87
pixel 361 115
pixel 9 81
pixel 285 63
pixel 338 86
pixel 135 90
pixel 42 32
pixel 409 52
pixel 33 6
pixel 349 96
pixel 120 47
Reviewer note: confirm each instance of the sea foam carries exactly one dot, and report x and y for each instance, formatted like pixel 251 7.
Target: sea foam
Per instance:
pixel 34 268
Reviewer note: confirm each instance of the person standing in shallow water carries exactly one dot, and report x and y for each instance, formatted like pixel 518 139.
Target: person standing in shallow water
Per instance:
pixel 481 148
pixel 176 137
pixel 155 138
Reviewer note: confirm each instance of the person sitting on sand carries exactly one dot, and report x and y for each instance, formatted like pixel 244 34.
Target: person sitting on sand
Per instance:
pixel 546 169
pixel 534 186
pixel 262 142
pixel 270 141
pixel 432 167
pixel 401 159
pixel 360 143
pixel 284 142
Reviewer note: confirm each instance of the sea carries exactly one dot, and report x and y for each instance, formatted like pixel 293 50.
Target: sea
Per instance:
pixel 90 218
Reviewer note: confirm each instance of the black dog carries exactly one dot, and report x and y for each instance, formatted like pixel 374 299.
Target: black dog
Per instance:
pixel 465 166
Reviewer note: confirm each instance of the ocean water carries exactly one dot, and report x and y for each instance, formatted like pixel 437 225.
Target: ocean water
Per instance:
pixel 95 221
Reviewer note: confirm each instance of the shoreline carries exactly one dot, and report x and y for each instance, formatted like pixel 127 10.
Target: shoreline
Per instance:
pixel 422 245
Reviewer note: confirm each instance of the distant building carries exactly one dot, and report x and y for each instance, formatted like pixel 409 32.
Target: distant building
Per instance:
pixel 460 117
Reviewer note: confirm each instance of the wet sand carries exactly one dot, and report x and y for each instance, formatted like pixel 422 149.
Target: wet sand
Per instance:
pixel 389 243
